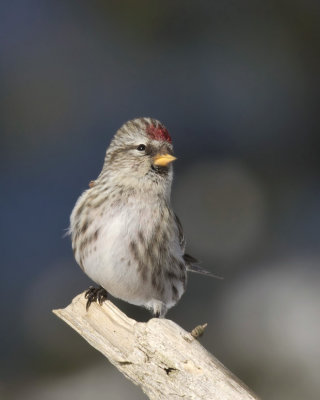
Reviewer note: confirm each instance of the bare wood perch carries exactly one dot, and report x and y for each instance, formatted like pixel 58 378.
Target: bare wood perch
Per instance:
pixel 162 358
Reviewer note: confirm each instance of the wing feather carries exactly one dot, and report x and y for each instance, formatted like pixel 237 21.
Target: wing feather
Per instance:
pixel 192 264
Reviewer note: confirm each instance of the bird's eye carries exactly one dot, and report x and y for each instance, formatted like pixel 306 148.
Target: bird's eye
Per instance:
pixel 141 147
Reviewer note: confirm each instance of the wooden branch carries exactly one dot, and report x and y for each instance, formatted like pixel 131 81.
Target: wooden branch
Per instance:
pixel 162 358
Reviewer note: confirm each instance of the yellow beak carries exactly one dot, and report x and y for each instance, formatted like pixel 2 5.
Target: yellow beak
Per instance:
pixel 163 159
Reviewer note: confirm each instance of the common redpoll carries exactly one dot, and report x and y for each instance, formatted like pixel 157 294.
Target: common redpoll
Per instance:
pixel 125 236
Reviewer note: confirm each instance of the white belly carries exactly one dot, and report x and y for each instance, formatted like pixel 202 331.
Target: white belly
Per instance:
pixel 110 262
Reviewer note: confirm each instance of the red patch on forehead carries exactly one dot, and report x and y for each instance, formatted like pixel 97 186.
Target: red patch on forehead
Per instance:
pixel 158 133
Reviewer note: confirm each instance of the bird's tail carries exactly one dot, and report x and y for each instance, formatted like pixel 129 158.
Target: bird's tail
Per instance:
pixel 192 265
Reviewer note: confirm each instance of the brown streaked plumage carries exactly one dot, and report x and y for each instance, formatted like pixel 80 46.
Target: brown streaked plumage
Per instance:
pixel 124 233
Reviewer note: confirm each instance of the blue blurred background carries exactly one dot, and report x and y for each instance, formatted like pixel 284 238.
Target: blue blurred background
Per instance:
pixel 237 85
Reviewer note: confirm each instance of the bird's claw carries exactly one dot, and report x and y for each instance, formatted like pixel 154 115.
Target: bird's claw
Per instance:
pixel 95 295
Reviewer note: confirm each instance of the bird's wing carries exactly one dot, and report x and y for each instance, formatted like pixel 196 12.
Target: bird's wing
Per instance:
pixel 182 239
pixel 192 264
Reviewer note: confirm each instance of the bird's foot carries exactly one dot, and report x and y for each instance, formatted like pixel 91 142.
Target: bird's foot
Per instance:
pixel 95 294
pixel 158 308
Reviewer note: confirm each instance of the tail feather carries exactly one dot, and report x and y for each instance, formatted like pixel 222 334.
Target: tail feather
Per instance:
pixel 192 265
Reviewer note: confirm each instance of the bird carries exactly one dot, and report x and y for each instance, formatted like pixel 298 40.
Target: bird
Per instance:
pixel 125 235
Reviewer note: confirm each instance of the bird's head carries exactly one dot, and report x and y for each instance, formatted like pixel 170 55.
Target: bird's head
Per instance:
pixel 140 154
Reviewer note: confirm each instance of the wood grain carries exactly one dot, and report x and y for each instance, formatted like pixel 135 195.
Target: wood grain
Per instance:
pixel 162 358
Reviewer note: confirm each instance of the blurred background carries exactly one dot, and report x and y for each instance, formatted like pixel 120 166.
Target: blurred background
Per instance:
pixel 237 85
